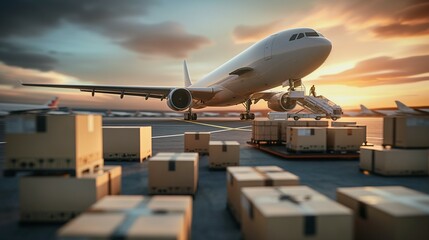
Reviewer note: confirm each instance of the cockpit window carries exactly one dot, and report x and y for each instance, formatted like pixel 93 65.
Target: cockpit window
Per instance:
pixel 293 37
pixel 311 34
pixel 301 35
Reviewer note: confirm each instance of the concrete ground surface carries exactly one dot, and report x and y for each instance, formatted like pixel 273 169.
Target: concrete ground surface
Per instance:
pixel 211 220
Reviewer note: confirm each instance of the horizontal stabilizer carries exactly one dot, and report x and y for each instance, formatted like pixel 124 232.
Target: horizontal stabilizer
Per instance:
pixel 241 71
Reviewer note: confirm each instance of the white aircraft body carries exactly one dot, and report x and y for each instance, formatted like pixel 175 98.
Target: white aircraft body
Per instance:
pixel 280 59
pixel 7 108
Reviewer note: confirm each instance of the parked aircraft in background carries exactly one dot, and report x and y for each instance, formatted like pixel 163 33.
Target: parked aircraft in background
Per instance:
pixel 209 114
pixel 172 114
pixel 280 59
pixel 8 108
pixel 148 114
pixel 402 108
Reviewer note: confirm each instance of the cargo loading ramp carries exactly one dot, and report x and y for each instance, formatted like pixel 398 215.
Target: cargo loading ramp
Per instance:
pixel 317 105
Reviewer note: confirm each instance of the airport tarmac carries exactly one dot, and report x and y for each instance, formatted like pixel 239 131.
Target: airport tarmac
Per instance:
pixel 211 220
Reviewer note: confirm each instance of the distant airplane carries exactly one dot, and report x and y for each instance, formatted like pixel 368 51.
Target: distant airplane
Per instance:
pixel 280 59
pixel 148 114
pixel 209 114
pixel 366 112
pixel 404 109
pixel 172 114
pixel 8 108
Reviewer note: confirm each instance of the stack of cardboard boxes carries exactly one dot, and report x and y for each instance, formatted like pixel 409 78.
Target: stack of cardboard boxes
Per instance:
pixel 391 212
pixel 127 143
pixel 133 217
pixel 405 149
pixel 240 177
pixel 63 154
pixel 307 139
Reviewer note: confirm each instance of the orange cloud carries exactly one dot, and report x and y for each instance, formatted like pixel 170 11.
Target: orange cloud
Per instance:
pixel 381 71
pixel 246 33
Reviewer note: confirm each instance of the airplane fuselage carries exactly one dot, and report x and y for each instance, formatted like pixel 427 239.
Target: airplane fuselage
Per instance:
pixel 274 60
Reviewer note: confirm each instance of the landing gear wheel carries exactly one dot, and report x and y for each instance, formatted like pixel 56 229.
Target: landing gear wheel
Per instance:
pixel 194 116
pixel 318 118
pixel 247 116
pixel 296 118
pixel 334 119
pixel 242 116
pixel 252 116
pixel 186 116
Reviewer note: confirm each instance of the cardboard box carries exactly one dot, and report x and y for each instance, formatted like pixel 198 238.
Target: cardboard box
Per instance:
pixel 284 132
pixel 127 143
pixel 60 198
pixel 253 177
pixel 223 154
pixel 197 142
pixel 406 131
pixel 392 212
pixel 307 139
pixel 68 143
pixel 266 130
pixel 293 212
pixel 345 138
pixel 342 124
pixel 133 217
pixel 394 161
pixel 173 173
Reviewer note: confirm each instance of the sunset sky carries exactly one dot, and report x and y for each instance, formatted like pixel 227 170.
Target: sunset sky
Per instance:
pixel 380 47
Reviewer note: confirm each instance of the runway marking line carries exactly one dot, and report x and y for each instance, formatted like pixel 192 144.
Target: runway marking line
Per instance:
pixel 212 125
pixel 223 129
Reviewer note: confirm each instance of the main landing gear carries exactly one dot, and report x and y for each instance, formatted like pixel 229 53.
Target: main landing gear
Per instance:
pixel 247 115
pixel 189 115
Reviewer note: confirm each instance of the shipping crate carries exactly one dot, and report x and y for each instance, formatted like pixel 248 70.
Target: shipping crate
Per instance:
pixel 348 139
pixel 406 131
pixel 223 154
pixel 239 177
pixel 133 217
pixel 173 173
pixel 394 161
pixel 307 139
pixel 60 198
pixel 392 212
pixel 342 124
pixel 127 143
pixel 265 130
pixel 285 132
pixel 197 142
pixel 71 144
pixel 293 212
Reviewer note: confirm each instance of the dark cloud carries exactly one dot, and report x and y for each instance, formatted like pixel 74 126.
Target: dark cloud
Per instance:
pixel 112 18
pixel 167 39
pixel 15 55
pixel 382 71
pixel 246 33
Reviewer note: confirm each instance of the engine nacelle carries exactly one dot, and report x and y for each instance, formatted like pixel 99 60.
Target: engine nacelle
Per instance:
pixel 281 102
pixel 179 99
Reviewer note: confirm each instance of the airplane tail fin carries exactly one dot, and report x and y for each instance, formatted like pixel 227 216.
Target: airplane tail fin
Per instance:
pixel 364 109
pixel 187 78
pixel 53 104
pixel 402 107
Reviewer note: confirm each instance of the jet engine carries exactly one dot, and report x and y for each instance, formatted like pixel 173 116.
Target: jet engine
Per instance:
pixel 179 99
pixel 281 102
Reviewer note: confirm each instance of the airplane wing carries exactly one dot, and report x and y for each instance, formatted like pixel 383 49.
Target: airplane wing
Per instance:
pixel 146 92
pixel 262 95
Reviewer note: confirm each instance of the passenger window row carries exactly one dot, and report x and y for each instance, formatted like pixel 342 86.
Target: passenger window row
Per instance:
pixel 301 35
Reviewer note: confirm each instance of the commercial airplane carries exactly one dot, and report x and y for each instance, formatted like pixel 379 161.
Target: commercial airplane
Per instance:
pixel 280 59
pixel 404 109
pixel 8 108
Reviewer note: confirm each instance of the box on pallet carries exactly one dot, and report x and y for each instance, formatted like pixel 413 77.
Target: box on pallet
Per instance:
pixel 173 173
pixel 394 161
pixel 342 124
pixel 293 212
pixel 60 198
pixel 406 131
pixel 127 143
pixel 239 177
pixel 391 212
pixel 223 154
pixel 345 138
pixel 196 142
pixel 133 217
pixel 68 143
pixel 307 139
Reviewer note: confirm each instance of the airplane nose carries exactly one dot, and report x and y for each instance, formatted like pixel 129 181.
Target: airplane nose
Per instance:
pixel 324 45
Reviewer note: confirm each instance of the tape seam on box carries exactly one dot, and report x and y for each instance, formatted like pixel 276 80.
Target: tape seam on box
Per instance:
pixel 224 147
pixel 372 160
pixel 410 201
pixel 197 136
